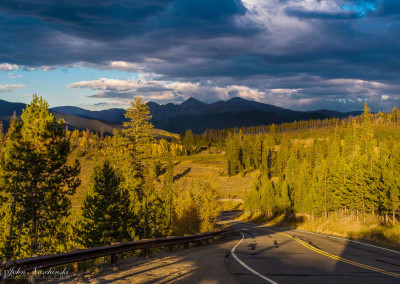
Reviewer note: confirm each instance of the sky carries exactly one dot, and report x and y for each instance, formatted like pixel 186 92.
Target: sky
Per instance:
pixel 297 54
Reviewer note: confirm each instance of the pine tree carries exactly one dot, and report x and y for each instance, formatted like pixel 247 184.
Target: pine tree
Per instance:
pixel 396 115
pixel 284 201
pixel 138 130
pixel 37 181
pixel 367 131
pixel 390 182
pixel 1 134
pixel 106 213
pixel 268 200
pixel 302 186
pixel 188 141
pixel 143 166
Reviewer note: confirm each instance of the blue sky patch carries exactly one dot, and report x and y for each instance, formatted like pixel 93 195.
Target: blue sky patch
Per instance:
pixel 362 7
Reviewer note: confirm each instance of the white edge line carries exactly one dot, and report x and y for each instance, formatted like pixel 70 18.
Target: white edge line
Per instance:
pixel 247 267
pixel 333 237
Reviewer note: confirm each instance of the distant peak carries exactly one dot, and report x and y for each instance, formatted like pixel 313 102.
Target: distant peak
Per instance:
pixel 192 102
pixel 152 103
pixel 236 99
pixel 191 99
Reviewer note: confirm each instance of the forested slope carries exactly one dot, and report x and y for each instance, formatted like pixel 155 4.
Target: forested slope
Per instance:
pixel 350 168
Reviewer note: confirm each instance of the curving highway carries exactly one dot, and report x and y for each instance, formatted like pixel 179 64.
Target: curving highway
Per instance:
pixel 276 255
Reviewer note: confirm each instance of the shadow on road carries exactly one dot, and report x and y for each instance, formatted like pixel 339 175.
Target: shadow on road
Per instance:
pixel 272 252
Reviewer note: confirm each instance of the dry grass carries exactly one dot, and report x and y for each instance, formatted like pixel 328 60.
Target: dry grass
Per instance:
pixel 87 163
pixel 211 168
pixel 162 134
pixel 232 205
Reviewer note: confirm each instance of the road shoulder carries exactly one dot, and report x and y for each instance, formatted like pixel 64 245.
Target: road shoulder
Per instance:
pixel 203 264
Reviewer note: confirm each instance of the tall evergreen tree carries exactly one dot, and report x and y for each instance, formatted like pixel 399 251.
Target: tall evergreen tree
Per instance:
pixel 144 166
pixel 188 141
pixel 367 131
pixel 138 130
pixel 37 181
pixel 1 134
pixel 106 213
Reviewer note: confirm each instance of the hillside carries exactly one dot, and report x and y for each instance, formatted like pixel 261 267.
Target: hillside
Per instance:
pixel 190 114
pixel 77 121
pixel 115 115
pixel 199 116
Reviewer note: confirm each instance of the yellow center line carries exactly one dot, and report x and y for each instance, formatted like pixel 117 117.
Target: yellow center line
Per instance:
pixel 338 257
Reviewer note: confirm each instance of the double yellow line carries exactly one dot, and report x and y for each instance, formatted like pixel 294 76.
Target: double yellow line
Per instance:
pixel 338 257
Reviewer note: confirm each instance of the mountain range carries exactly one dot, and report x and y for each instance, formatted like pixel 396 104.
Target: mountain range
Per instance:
pixel 190 114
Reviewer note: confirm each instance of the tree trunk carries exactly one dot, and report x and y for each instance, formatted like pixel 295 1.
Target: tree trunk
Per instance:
pixel 12 220
pixel 363 209
pixel 145 218
pixel 394 216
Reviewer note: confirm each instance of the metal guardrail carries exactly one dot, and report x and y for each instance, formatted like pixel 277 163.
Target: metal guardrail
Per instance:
pixel 46 261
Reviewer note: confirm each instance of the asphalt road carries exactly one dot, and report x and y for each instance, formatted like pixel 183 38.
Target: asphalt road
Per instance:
pixel 275 255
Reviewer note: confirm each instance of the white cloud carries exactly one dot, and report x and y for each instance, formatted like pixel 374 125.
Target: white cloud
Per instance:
pixel 10 87
pixel 8 67
pixel 12 67
pixel 174 91
pixel 120 65
pixel 290 92
pixel 42 68
pixel 125 66
pixel 13 76
pixel 105 84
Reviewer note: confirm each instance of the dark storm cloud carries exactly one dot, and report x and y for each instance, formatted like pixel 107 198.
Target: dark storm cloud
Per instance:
pixel 114 95
pixel 321 15
pixel 66 32
pixel 389 7
pixel 303 47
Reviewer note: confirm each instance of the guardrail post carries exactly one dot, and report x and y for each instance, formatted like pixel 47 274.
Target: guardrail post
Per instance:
pixel 75 266
pixel 113 259
pixel 186 245
pixel 146 253
pixel 32 277
pixel 171 247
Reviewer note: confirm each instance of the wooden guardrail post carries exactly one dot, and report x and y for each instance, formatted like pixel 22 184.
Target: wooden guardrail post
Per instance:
pixel 32 275
pixel 75 266
pixel 113 259
pixel 146 253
